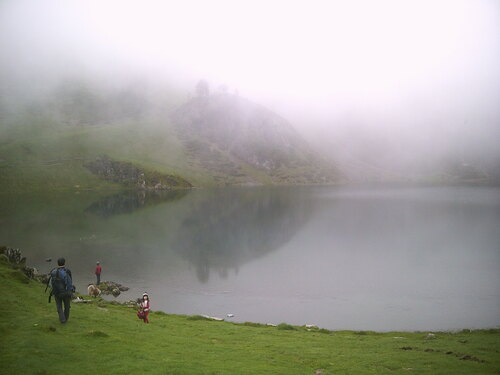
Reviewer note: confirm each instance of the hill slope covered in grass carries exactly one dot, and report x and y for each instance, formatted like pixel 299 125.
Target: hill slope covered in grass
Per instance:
pixel 217 140
pixel 107 338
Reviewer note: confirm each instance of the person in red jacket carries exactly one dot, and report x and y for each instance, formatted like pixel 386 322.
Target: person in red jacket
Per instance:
pixel 145 306
pixel 98 270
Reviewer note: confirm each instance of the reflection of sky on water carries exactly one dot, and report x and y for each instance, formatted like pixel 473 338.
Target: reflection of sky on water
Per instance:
pixel 228 229
pixel 351 258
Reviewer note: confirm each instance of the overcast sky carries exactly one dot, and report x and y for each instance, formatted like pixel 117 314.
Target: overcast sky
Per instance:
pixel 389 65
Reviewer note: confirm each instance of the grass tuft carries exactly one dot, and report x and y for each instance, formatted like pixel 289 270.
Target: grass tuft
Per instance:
pixel 252 324
pixel 286 327
pixel 197 317
pixel 97 334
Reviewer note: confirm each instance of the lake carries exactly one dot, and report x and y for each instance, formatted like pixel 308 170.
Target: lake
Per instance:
pixel 358 258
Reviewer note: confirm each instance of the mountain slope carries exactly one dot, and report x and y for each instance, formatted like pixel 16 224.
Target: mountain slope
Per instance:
pixel 248 143
pixel 217 140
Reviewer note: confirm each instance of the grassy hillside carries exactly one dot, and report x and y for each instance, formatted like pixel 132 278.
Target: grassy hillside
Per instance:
pixel 106 338
pixel 45 145
pixel 53 157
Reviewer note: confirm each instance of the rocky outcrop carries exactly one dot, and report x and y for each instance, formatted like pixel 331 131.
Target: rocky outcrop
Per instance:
pixel 227 135
pixel 15 258
pixel 128 174
pixel 110 287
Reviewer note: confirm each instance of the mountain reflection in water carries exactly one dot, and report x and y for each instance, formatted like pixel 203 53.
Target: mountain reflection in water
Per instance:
pixel 225 230
pixel 126 203
pixel 376 258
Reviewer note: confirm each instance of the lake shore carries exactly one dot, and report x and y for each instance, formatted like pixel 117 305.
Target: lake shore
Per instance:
pixel 109 336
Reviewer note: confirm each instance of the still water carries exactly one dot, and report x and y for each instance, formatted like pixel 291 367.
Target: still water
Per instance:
pixel 412 258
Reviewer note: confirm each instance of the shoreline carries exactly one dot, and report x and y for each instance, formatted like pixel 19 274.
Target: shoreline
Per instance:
pixel 17 261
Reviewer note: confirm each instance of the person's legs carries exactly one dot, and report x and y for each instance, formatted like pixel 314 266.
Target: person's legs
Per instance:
pixel 98 279
pixel 67 306
pixel 62 317
pixel 146 320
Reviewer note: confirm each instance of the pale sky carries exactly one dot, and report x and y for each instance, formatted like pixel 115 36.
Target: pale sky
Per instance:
pixel 402 63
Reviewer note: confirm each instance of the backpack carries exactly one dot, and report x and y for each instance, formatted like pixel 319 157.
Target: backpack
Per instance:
pixel 62 285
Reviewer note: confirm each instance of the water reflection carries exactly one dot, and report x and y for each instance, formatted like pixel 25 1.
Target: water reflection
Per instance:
pixel 126 203
pixel 341 258
pixel 212 231
pixel 228 228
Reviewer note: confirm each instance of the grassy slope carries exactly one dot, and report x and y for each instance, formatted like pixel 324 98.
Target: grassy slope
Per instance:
pixel 39 154
pixel 46 157
pixel 109 339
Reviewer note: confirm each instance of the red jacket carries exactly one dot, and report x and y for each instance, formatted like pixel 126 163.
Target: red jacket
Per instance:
pixel 98 270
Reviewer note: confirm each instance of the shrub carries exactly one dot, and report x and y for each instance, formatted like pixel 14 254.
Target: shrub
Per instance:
pixel 287 327
pixel 252 324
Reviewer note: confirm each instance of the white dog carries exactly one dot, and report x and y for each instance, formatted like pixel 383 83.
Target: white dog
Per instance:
pixel 94 291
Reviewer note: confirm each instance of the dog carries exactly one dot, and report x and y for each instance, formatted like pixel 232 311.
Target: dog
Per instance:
pixel 94 291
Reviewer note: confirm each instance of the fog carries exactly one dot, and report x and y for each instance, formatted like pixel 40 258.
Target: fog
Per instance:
pixel 394 84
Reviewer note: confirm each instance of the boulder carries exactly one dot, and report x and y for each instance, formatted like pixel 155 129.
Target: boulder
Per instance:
pixel 113 288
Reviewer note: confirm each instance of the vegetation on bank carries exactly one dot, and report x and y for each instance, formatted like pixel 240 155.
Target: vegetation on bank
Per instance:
pixel 54 158
pixel 104 337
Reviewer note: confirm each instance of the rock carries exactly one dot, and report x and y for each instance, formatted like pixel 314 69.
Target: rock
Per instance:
pixel 14 255
pixel 80 300
pixel 212 317
pixel 130 175
pixel 43 278
pixel 110 287
pixel 30 272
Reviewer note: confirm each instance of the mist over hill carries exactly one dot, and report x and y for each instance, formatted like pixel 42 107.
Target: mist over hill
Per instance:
pixel 228 134
pixel 365 83
pixel 83 135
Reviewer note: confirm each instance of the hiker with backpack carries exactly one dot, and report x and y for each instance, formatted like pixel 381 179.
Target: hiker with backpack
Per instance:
pixel 62 289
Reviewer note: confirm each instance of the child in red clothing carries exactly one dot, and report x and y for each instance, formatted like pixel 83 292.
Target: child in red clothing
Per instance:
pixel 98 270
pixel 145 307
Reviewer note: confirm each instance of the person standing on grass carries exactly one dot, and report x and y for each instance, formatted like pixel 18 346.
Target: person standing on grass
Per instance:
pixel 144 308
pixel 98 270
pixel 62 289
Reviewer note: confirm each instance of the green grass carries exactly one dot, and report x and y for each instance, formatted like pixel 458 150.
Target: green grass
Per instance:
pixel 51 157
pixel 39 153
pixel 109 339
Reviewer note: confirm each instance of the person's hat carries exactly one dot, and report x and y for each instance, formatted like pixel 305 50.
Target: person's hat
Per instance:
pixel 145 294
pixel 97 262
